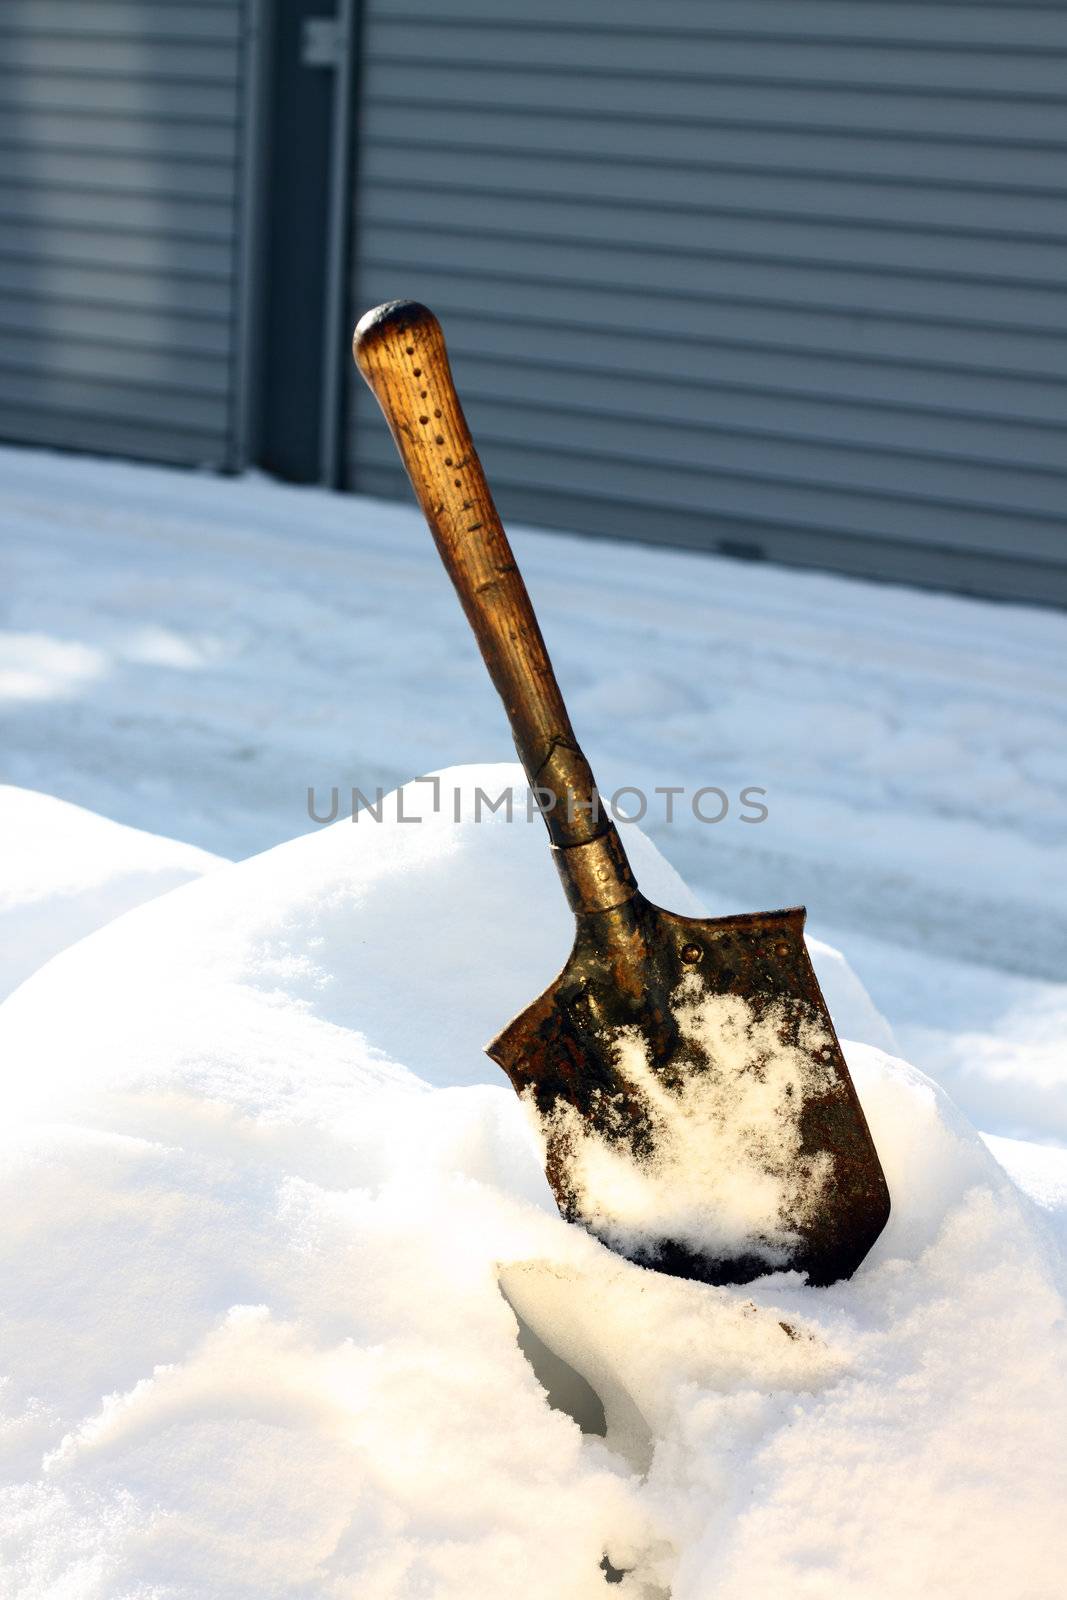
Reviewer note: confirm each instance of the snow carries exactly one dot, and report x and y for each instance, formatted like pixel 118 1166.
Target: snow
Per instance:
pixel 367 928
pixel 725 1176
pixel 268 1200
pixel 68 872
pixel 204 650
pixel 284 1285
pixel 993 1038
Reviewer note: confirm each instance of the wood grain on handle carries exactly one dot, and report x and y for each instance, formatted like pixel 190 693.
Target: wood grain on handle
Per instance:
pixel 400 350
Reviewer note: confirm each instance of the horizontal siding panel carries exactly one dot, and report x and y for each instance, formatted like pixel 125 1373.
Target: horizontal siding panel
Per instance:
pixel 661 447
pixel 981 573
pixel 784 282
pixel 111 19
pixel 685 147
pixel 643 53
pixel 722 235
pixel 529 178
pixel 60 430
pixel 63 359
pixel 139 213
pixel 119 58
pixel 123 403
pixel 168 296
pixel 119 158
pixel 127 251
pixel 67 92
pixel 846 109
pixel 747 341
pixel 785 277
pixel 121 326
pixel 138 136
pixel 757 500
pixel 919 23
pixel 140 174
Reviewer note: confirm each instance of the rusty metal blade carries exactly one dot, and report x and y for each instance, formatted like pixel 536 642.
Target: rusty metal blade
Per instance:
pixel 695 1107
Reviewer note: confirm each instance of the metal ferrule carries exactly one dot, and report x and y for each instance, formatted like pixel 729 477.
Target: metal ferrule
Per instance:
pixel 596 876
pixel 576 813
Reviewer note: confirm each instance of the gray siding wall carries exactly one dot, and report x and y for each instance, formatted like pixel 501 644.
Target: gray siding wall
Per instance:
pixel 775 276
pixel 119 220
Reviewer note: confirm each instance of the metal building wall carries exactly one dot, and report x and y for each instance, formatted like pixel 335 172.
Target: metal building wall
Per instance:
pixel 774 276
pixel 120 219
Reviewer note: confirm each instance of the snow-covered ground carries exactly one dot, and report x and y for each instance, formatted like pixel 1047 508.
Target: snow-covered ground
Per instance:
pixel 187 655
pixel 270 1218
pixel 66 871
pixel 270 1215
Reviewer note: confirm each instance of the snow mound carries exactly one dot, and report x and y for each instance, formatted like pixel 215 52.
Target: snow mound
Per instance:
pixel 999 1046
pixel 67 871
pixel 274 1230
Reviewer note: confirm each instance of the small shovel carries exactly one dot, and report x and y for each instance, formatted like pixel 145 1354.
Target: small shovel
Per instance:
pixel 696 1111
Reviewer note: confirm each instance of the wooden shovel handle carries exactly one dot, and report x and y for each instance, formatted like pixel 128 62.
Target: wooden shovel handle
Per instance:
pixel 400 350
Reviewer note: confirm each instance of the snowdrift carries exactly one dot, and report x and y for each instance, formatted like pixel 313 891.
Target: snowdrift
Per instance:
pixel 67 871
pixel 275 1230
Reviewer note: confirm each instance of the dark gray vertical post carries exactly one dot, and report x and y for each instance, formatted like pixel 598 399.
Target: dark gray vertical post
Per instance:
pixel 335 289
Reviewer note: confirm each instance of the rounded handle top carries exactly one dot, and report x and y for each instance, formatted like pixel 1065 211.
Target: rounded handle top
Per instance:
pixel 389 323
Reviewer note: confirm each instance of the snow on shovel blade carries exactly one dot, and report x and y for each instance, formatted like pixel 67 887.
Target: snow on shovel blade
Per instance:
pixel 696 1109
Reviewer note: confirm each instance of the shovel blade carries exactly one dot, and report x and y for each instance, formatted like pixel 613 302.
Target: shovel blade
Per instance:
pixel 695 1108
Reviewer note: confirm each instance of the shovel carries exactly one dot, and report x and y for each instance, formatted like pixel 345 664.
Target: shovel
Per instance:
pixel 694 1106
